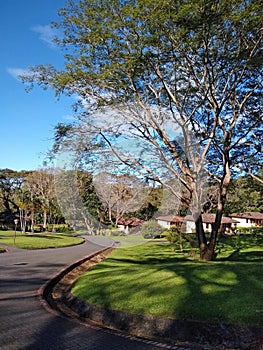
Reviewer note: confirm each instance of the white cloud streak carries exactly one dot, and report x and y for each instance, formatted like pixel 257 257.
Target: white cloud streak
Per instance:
pixel 17 72
pixel 46 34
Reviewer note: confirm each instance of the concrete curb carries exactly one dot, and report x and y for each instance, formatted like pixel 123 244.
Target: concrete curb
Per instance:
pixel 45 291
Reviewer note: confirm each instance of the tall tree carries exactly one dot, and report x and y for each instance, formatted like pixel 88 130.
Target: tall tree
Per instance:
pixel 40 185
pixel 11 181
pixel 75 204
pixel 172 89
pixel 245 194
pixel 120 194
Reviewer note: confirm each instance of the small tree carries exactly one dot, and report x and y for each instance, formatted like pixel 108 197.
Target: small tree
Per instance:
pixel 174 237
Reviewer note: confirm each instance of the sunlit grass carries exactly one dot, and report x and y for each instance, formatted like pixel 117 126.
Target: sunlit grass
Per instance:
pixel 37 241
pixel 150 279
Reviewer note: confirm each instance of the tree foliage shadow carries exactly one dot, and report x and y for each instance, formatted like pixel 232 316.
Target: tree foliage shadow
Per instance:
pixel 226 291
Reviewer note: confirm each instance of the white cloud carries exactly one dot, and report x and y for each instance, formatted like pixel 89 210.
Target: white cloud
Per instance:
pixel 69 117
pixel 46 33
pixel 16 72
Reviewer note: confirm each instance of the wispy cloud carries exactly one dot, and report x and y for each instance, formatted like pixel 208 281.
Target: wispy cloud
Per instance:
pixel 46 33
pixel 69 117
pixel 17 72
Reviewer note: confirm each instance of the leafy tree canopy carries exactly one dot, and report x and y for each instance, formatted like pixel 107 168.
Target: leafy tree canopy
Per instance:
pixel 167 88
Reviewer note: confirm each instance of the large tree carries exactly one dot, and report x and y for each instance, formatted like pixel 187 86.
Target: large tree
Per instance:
pixel 120 194
pixel 40 185
pixel 11 182
pixel 171 89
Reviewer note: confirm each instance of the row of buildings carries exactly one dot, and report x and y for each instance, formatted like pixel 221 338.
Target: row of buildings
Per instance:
pixel 228 224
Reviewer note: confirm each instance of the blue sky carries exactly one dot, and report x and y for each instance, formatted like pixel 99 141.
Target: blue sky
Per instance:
pixel 27 119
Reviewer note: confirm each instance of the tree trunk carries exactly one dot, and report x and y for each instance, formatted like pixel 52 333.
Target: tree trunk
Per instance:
pixel 202 242
pixel 32 222
pixel 22 217
pixel 206 250
pixel 208 253
pixel 44 220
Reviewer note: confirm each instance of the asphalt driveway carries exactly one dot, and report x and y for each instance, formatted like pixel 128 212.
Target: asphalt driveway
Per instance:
pixel 25 324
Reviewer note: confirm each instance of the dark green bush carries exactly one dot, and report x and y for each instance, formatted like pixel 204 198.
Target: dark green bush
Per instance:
pixel 64 229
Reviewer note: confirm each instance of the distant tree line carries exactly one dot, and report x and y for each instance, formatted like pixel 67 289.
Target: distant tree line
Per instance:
pixel 42 198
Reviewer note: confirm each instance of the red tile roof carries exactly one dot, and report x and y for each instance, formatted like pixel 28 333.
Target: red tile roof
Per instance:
pixel 171 218
pixel 210 218
pixel 248 215
pixel 132 222
pixel 207 219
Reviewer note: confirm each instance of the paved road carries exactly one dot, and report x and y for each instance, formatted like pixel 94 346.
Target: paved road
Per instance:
pixel 25 324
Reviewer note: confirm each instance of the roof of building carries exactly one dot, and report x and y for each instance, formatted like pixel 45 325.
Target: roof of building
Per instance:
pixel 210 218
pixel 248 215
pixel 171 218
pixel 206 218
pixel 132 222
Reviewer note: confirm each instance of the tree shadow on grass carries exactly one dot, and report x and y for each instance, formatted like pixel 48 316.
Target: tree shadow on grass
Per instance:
pixel 219 301
pixel 239 256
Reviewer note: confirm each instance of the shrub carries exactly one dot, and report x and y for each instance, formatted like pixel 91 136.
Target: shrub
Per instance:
pixel 63 229
pixel 151 229
pixel 112 232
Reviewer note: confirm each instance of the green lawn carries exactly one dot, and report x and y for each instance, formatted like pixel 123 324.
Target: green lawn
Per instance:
pixel 151 279
pixel 38 241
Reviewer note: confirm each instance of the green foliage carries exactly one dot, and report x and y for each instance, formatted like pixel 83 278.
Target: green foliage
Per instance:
pixel 151 229
pixel 63 228
pixel 174 237
pixel 89 196
pixel 245 194
pixel 182 240
pixel 254 230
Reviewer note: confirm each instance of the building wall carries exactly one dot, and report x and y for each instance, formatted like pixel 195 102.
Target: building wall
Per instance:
pixel 190 227
pixel 124 228
pixel 243 222
pixel 164 224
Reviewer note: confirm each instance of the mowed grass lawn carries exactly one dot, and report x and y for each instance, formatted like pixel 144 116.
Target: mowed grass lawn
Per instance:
pixel 38 241
pixel 151 279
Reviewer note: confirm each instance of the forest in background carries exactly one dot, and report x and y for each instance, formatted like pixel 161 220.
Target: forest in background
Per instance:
pixel 33 198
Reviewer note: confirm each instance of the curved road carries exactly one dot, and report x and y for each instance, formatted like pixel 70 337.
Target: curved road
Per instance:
pixel 25 324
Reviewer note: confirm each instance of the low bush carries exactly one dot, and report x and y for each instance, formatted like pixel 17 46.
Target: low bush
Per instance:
pixel 151 229
pixel 113 232
pixel 63 229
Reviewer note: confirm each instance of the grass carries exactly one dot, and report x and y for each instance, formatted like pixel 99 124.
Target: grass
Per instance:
pixel 151 279
pixel 38 241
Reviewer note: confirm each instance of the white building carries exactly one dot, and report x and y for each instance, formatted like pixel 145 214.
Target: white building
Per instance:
pixel 167 221
pixel 248 219
pixel 227 224
pixel 187 223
